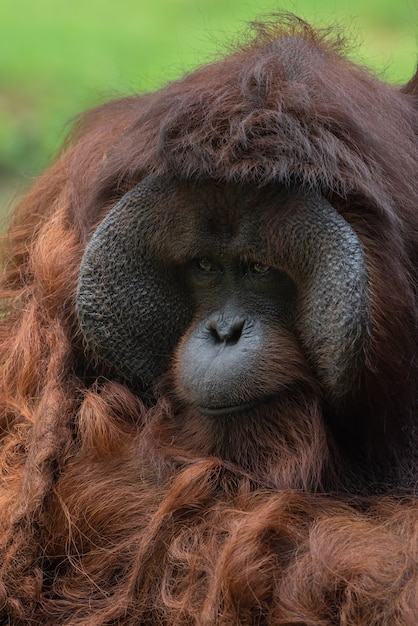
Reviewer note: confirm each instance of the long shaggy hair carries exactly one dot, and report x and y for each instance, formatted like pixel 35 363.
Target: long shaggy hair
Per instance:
pixel 105 516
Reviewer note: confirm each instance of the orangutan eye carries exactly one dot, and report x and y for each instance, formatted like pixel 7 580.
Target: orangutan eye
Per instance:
pixel 204 265
pixel 259 268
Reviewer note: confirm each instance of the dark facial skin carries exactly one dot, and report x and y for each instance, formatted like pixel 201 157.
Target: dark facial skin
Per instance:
pixel 240 305
pixel 230 291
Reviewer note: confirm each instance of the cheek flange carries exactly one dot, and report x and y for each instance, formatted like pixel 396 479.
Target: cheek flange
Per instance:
pixel 130 306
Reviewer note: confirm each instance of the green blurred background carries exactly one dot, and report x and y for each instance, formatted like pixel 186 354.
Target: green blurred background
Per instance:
pixel 58 57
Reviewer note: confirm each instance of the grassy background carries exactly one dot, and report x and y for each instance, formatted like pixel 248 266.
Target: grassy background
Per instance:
pixel 59 57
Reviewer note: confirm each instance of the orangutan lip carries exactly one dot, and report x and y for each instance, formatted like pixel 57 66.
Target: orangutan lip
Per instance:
pixel 224 410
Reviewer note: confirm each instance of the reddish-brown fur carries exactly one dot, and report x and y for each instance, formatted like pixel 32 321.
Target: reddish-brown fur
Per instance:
pixel 115 513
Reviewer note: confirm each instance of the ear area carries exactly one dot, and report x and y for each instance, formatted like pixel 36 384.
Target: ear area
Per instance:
pixel 131 307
